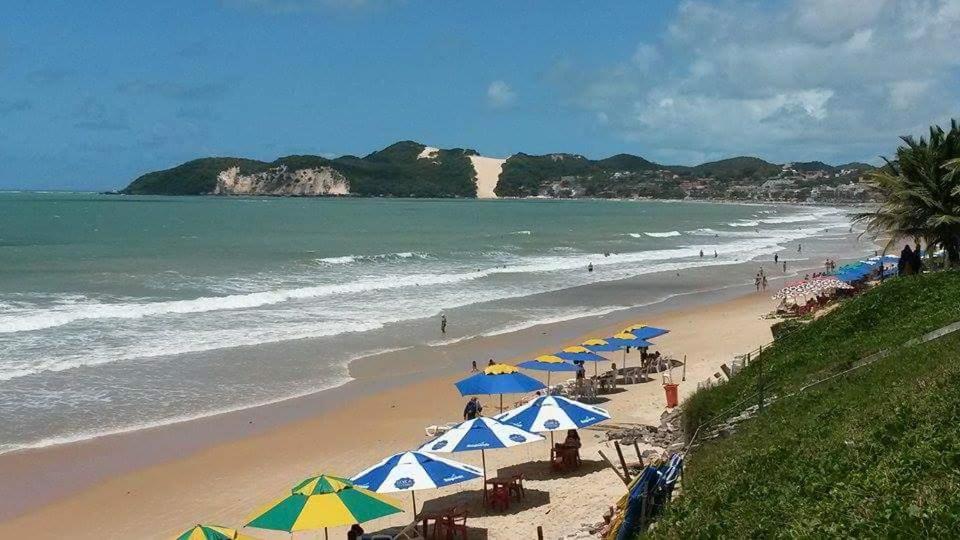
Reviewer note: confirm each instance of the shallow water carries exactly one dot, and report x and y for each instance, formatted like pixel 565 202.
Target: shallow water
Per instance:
pixel 118 312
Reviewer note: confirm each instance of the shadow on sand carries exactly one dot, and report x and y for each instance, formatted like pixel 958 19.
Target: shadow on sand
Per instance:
pixel 540 470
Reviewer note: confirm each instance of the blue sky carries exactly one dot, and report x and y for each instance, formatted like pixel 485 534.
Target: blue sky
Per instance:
pixel 93 94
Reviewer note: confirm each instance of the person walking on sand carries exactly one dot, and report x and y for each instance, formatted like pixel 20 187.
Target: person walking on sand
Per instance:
pixel 474 368
pixel 784 267
pixel 799 248
pixel 473 409
pixel 443 324
pixel 756 282
pixel 763 282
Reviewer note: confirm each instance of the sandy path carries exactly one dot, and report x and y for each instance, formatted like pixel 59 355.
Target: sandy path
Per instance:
pixel 223 483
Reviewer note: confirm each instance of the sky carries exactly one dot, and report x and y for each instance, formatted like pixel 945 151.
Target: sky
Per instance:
pixel 93 94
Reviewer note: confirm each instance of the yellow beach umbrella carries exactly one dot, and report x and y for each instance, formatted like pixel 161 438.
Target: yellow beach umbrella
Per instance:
pixel 320 502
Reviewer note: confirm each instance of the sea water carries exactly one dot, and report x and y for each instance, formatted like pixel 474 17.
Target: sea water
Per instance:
pixel 118 312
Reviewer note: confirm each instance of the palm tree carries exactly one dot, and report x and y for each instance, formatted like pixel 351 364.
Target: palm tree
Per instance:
pixel 920 191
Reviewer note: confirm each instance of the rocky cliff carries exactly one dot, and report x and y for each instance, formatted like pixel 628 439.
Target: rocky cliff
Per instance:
pixel 283 181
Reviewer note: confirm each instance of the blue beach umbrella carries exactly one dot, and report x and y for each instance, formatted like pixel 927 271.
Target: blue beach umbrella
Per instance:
pixel 553 413
pixel 601 345
pixel 643 331
pixel 548 363
pixel 410 471
pixel 498 379
pixel 579 353
pixel 625 340
pixel 482 434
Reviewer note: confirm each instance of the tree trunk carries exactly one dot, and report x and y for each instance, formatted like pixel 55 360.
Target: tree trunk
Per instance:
pixel 953 253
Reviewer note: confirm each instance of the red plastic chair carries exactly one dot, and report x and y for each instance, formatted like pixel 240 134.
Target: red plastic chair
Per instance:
pixel 516 488
pixel 453 524
pixel 499 498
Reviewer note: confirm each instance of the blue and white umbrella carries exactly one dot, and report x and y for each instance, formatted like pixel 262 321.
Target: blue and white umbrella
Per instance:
pixel 482 434
pixel 553 413
pixel 409 471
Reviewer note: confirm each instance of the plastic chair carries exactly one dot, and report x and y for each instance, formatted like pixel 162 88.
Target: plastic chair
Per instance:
pixel 453 524
pixel 516 488
pixel 499 498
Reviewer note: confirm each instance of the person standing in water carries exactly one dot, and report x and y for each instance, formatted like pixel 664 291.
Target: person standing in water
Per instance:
pixel 799 248
pixel 443 323
pixel 714 254
pixel 701 253
pixel 776 257
pixel 590 267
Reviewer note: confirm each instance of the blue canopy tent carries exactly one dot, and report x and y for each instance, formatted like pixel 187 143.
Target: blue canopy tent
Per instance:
pixel 498 379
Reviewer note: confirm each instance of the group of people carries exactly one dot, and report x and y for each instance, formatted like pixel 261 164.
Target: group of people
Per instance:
pixel 760 280
pixel 829 265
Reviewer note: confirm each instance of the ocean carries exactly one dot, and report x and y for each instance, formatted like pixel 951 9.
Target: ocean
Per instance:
pixel 122 312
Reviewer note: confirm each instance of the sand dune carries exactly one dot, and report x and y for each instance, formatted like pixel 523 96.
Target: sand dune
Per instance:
pixel 488 174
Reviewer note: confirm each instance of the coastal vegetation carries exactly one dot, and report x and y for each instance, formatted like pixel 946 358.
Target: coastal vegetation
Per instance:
pixel 920 190
pixel 403 170
pixel 395 171
pixel 870 453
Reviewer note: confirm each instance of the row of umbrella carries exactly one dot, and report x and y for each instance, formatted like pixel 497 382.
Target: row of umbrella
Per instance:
pixel 811 287
pixel 326 501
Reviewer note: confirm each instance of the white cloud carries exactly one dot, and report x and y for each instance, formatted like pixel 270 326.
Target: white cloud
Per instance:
pixel 500 95
pixel 800 79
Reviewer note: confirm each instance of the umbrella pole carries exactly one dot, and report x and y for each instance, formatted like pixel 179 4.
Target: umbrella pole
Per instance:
pixel 483 458
pixel 551 443
pixel 501 402
pixel 325 534
pixel 413 496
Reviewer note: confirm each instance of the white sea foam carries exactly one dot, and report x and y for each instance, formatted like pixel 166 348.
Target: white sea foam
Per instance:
pixel 522 232
pixel 350 259
pixel 337 379
pixel 744 223
pixel 667 234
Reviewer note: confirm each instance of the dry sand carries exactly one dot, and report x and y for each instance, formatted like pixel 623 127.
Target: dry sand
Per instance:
pixel 222 483
pixel 488 174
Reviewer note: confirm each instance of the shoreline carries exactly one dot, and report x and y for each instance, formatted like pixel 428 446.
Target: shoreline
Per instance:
pixel 110 459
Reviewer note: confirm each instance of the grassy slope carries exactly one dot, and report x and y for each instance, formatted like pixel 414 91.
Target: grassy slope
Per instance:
pixel 873 453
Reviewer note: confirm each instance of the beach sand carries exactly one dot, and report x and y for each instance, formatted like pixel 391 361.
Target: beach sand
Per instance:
pixel 488 173
pixel 160 490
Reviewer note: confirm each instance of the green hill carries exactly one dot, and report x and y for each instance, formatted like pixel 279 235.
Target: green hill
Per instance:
pixel 742 167
pixel 872 453
pixel 394 171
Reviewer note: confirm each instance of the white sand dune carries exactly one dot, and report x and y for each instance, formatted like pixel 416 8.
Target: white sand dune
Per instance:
pixel 488 174
pixel 428 152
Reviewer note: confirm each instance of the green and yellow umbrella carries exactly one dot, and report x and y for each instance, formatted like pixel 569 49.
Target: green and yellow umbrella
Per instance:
pixel 320 502
pixel 211 532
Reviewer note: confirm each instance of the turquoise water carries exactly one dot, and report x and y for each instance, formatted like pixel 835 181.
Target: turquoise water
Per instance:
pixel 116 312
